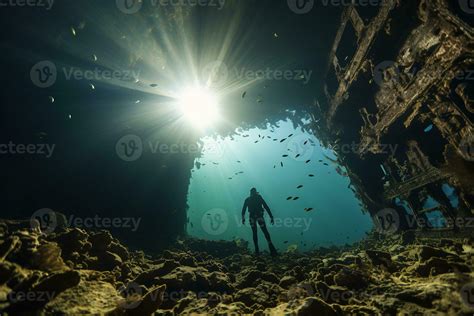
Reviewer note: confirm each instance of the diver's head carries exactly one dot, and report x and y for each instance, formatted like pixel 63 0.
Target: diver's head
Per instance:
pixel 253 191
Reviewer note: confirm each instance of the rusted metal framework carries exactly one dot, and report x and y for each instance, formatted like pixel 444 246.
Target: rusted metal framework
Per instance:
pixel 401 75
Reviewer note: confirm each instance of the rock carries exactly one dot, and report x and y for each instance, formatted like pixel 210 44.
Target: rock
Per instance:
pixel 426 252
pixel 150 302
pixel 379 258
pixel 287 281
pixel 435 266
pixel 407 237
pixel 252 276
pixel 148 278
pixel 250 296
pixel 333 294
pixel 47 257
pixel 40 294
pixel 88 297
pixel 306 307
pixel 120 250
pixel 9 245
pixel 350 278
pixel 101 241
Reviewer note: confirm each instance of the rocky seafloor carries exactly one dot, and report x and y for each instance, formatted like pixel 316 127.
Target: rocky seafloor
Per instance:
pixel 74 271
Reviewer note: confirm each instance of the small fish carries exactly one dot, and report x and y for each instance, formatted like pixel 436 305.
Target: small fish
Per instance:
pixel 285 242
pixel 305 142
pixel 244 94
pixel 153 85
pixel 230 178
pixel 138 101
pixel 285 156
pixel 274 166
pixel 290 135
pixel 289 198
pixel 320 160
pixel 311 175
pixel 268 137
pixel 325 164
pixel 255 141
pixel 281 163
pixel 275 139
pixel 297 155
pixel 259 136
pixel 238 161
pixel 92 86
pixel 295 198
pixel 216 163
pixel 51 98
pixel 300 186
pixel 281 141
pixel 308 161
pixel 191 224
pixel 94 57
pixel 308 209
pixel 73 31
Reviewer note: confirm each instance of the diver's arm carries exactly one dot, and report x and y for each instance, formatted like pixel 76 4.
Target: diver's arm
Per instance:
pixel 265 206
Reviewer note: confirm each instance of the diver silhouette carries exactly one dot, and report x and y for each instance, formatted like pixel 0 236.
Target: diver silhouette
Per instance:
pixel 255 203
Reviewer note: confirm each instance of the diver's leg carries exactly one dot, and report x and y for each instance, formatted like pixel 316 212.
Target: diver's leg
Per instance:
pixel 264 229
pixel 253 224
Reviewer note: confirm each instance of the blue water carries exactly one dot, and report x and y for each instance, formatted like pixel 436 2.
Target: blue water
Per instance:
pixel 215 201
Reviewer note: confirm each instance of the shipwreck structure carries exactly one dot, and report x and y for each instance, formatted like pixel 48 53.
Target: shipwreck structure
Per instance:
pixel 398 110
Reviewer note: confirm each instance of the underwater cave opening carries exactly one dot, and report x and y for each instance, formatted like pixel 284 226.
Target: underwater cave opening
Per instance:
pixel 307 191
